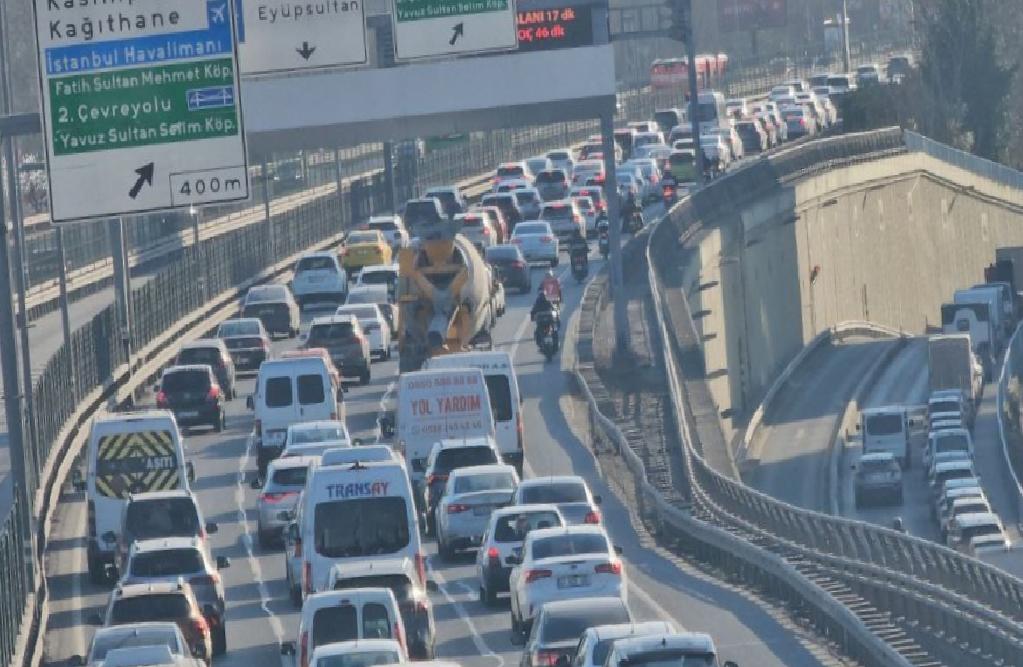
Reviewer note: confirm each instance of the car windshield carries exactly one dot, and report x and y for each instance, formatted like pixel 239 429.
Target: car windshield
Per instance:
pixel 290 476
pixel 471 220
pixel 312 434
pixel 398 583
pixel 502 254
pixel 324 334
pixel 531 228
pixel 163 517
pixel 144 636
pixel 884 424
pixel 510 171
pixel 335 624
pixel 361 527
pixel 363 312
pixel 515 527
pixel 267 293
pixel 564 626
pixel 453 458
pixel 944 406
pixel 670 658
pixel 166 563
pixel 554 493
pixel 315 264
pixel 190 380
pixel 557 212
pixel 491 481
pixel 550 177
pixel 359 296
pixel 378 277
pixel 951 442
pixel 156 607
pixel 570 544
pixel 360 659
pixel 525 196
pixel 209 356
pixel 878 465
pixel 364 237
pixel 383 225
pixel 239 328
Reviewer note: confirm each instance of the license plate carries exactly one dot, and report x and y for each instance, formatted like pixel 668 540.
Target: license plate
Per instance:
pixel 482 510
pixel 573 581
pixel 186 414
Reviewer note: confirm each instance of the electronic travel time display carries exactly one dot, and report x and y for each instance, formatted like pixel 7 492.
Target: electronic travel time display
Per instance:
pixel 560 28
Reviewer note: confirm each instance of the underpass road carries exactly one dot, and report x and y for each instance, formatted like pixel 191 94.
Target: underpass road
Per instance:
pixel 795 438
pixel 905 382
pixel 260 614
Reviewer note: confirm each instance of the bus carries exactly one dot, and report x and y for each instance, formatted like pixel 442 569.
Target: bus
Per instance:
pixel 711 111
pixel 674 72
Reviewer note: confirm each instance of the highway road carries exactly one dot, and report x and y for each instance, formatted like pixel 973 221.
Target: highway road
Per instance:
pixel 260 614
pixel 905 381
pixel 795 438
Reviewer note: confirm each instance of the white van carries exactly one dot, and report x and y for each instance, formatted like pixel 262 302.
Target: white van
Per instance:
pixel 886 429
pixel 505 399
pixel 438 404
pixel 348 615
pixel 128 453
pixel 289 391
pixel 319 278
pixel 354 514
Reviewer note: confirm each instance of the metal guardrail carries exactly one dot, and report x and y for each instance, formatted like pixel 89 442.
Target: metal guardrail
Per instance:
pixel 993 171
pixel 920 592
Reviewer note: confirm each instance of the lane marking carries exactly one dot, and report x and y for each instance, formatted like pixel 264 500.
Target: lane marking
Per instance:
pixel 76 589
pixel 477 639
pixel 383 408
pixel 239 496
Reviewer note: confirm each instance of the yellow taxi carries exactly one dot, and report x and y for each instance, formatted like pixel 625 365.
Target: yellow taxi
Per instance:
pixel 364 247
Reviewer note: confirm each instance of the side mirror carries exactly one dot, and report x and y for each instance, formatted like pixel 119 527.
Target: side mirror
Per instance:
pixel 208 610
pixel 286 515
pixel 76 661
pixel 859 427
pixel 95 619
pixel 432 586
pixel 190 471
pixel 357 442
pixel 212 527
pixel 386 426
pixel 292 532
pixel 248 403
pixel 597 500
pixel 223 562
pixel 156 388
pixel 109 537
pixel 287 648
pixel 562 661
pixel 255 484
pixel 619 550
pixel 512 560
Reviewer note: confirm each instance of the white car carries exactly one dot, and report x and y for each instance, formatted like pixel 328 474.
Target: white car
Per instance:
pixel 537 241
pixel 569 493
pixel 393 229
pixel 560 564
pixel 733 141
pixel 561 158
pixel 476 227
pixel 504 537
pixel 379 274
pixel 596 642
pixel 780 92
pixel 314 438
pixel 588 211
pixel 586 170
pixel 373 323
pixel 319 278
pixel 470 496
pixel 512 171
pixel 358 653
pixel 651 178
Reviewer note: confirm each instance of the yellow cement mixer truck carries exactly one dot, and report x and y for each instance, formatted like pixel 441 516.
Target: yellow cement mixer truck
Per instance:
pixel 445 296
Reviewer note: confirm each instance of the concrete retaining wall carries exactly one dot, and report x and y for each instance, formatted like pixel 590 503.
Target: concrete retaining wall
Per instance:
pixel 891 238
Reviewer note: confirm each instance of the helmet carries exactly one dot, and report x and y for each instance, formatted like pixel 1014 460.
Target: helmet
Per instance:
pixel 550 273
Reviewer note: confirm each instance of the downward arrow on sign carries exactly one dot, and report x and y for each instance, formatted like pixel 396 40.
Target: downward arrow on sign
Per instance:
pixel 306 51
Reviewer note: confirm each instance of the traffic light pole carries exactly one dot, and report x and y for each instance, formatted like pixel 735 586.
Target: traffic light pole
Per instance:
pixel 694 92
pixel 846 56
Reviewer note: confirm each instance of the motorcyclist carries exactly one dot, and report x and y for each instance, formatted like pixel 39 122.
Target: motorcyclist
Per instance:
pixel 551 288
pixel 629 209
pixel 544 305
pixel 578 245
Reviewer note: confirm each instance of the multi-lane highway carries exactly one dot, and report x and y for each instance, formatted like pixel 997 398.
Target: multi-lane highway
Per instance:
pixel 260 614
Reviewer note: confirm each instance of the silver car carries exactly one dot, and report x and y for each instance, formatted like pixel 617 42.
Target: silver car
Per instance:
pixel 285 479
pixel 537 242
pixel 470 496
pixel 530 202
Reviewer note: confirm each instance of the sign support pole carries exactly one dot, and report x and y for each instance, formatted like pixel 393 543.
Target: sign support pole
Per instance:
pixel 621 319
pixel 694 93
pixel 389 185
pixel 846 57
pixel 266 212
pixel 65 315
pixel 115 233
pixel 338 178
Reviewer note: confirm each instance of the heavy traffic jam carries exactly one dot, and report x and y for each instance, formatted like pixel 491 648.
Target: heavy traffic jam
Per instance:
pixel 352 519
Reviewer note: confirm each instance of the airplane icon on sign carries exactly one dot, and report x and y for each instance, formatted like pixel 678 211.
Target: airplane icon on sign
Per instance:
pixel 217 14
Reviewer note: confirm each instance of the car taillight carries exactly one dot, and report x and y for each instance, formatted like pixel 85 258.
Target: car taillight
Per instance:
pixel 614 567
pixel 546 657
pixel 536 575
pixel 422 606
pixel 161 399
pixel 802 121
pixel 211 579
pixel 303 648
pixel 486 231
pixel 358 339
pixel 421 567
pixel 518 265
pixel 430 479
pixel 200 626
pixel 265 344
pixel 298 547
pixel 213 394
pixel 400 638
pixel 546 239
pixel 307 577
pixel 592 517
pixel 457 508
pixel 493 553
pixel 277 497
pixel 519 431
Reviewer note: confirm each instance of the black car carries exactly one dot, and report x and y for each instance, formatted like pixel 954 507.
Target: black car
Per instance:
pixel 749 133
pixel 213 353
pixel 559 624
pixel 511 267
pixel 552 184
pixel 509 206
pixel 275 307
pixel 247 342
pixel 193 395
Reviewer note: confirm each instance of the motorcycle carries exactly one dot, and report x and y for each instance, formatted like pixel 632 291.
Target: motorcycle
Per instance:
pixel 604 244
pixel 633 223
pixel 546 335
pixel 580 266
pixel 669 192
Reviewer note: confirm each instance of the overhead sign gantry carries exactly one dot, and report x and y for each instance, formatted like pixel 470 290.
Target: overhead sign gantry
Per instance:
pixel 141 106
pixel 431 28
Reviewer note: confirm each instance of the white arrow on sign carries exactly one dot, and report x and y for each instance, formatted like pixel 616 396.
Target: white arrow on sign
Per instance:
pixel 433 28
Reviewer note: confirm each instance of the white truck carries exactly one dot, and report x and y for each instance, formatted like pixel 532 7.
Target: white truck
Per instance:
pixel 886 429
pixel 952 364
pixel 977 321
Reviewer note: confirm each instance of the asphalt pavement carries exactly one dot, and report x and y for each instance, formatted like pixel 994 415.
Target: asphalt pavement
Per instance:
pixel 260 615
pixel 795 439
